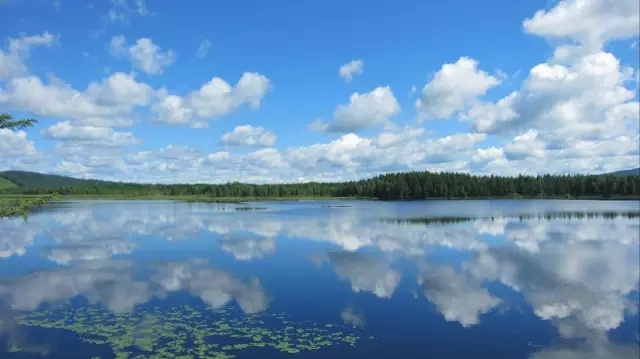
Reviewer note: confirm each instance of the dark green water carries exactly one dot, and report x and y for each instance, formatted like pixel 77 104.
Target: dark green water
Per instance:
pixel 317 279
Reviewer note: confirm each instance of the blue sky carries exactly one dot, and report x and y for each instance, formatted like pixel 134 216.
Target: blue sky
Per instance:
pixel 530 87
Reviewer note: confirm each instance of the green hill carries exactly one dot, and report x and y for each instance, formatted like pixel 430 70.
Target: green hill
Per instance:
pixel 24 179
pixel 5 183
pixel 630 172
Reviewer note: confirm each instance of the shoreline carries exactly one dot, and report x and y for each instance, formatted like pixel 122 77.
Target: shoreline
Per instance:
pixel 203 199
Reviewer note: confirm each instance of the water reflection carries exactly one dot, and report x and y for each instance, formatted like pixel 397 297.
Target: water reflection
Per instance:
pixel 580 273
pixel 112 283
pixel 365 273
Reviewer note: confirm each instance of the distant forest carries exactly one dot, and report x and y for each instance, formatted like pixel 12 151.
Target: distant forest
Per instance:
pixel 397 186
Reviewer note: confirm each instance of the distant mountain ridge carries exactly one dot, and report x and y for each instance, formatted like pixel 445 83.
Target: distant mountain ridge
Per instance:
pixel 629 172
pixel 25 179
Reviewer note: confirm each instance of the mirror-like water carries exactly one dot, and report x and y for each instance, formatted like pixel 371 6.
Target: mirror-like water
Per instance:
pixel 322 279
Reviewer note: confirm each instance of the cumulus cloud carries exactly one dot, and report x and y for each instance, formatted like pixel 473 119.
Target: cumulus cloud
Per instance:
pixel 102 103
pixel 143 54
pixel 216 98
pixel 91 134
pixel 581 97
pixel 364 110
pixel 17 151
pixel 351 69
pixel 591 22
pixel 454 88
pixel 585 100
pixel 248 135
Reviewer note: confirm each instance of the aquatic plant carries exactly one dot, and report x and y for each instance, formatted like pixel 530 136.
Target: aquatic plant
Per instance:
pixel 630 214
pixel 190 332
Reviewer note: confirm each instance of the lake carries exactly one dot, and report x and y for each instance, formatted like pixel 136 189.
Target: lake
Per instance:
pixel 322 279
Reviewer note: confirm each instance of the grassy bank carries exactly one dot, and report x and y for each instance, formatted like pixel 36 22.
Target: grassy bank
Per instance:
pixel 21 205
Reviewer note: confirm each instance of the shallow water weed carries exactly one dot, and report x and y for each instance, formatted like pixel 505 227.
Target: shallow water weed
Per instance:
pixel 189 332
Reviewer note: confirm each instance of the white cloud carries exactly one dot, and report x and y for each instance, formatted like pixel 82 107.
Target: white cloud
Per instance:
pixel 17 151
pixel 364 110
pixel 453 88
pixel 248 135
pixel 576 111
pixel 584 100
pixel 107 102
pixel 351 69
pixel 144 54
pixel 12 61
pixel 203 48
pixel 523 146
pixel 592 22
pixel 580 98
pixel 214 99
pixel 94 135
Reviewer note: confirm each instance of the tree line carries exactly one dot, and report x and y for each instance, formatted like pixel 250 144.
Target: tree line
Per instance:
pixel 394 186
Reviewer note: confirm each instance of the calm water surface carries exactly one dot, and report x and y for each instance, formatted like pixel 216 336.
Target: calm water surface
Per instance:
pixel 322 279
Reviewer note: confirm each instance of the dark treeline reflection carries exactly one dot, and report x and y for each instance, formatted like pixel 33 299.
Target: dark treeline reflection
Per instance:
pixel 547 216
pixel 405 186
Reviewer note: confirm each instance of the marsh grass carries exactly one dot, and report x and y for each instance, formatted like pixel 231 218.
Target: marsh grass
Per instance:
pixel 21 205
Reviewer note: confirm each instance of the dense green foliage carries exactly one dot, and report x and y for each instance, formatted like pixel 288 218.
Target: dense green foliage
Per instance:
pixel 403 186
pixel 22 205
pixel 7 121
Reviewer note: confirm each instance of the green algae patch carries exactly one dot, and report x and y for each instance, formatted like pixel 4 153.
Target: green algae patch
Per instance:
pixel 189 332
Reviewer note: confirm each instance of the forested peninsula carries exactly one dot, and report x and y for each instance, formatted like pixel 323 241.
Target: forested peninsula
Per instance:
pixel 393 186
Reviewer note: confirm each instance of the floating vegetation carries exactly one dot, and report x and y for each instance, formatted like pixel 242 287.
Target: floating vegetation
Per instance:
pixel 547 216
pixel 247 208
pixel 189 332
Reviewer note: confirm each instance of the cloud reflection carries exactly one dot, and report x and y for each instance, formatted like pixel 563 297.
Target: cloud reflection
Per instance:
pixel 113 284
pixel 579 274
pixel 365 273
